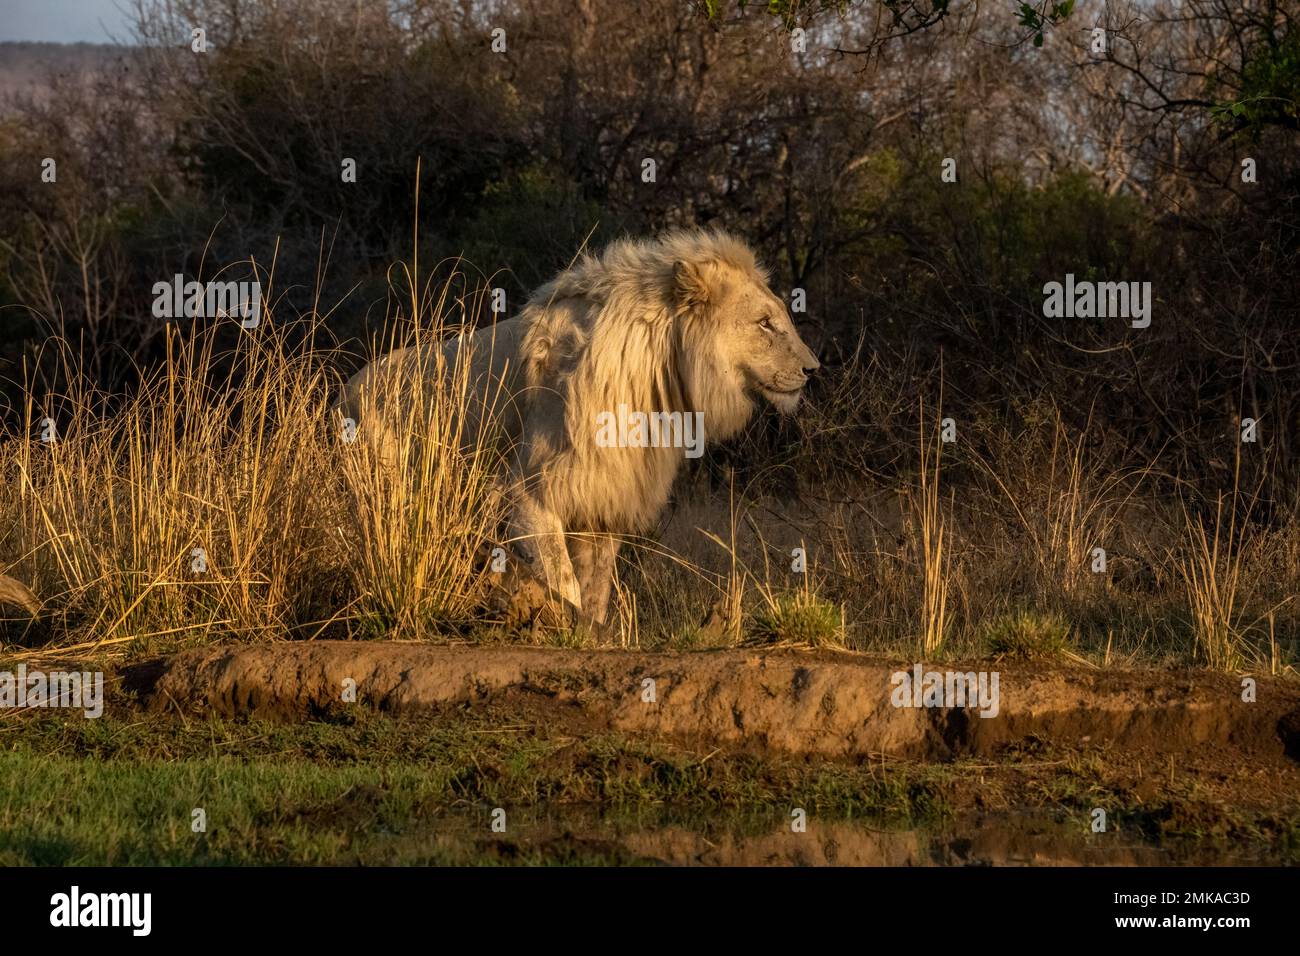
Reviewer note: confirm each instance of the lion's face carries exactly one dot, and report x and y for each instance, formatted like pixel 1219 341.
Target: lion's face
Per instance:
pixel 760 346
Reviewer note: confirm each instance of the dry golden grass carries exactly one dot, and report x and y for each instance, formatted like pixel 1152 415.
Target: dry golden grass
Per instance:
pixel 229 449
pixel 220 501
pixel 1222 566
pixel 1066 500
pixel 935 560
pixel 1212 576
pixel 418 512
pixel 195 505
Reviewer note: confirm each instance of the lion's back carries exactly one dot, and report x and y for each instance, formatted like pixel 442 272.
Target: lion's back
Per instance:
pixel 476 373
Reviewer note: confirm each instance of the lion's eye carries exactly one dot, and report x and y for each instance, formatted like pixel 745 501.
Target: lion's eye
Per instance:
pixel 766 322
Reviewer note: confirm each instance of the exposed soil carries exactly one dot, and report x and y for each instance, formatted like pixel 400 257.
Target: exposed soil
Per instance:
pixel 825 704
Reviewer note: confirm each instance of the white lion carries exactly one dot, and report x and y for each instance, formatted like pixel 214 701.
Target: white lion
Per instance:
pixel 682 324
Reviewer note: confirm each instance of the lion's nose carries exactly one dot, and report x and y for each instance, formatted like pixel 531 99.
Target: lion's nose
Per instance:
pixel 808 361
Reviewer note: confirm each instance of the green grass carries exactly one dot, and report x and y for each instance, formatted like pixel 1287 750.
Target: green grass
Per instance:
pixel 380 790
pixel 798 617
pixel 1028 635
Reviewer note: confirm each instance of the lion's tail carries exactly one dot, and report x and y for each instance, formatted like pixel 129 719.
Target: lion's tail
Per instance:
pixel 15 592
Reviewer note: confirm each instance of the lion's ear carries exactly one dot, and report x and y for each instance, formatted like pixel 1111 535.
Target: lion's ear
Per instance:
pixel 690 284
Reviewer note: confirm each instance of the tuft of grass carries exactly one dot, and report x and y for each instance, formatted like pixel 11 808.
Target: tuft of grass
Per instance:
pixel 421 498
pixel 800 618
pixel 1026 634
pixel 934 550
pixel 691 639
pixel 1220 568
pixel 579 637
pixel 1211 573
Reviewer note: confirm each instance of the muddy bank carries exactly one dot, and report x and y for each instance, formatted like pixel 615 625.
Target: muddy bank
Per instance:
pixel 824 704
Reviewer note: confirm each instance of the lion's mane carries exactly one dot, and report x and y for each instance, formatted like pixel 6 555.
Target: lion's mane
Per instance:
pixel 634 326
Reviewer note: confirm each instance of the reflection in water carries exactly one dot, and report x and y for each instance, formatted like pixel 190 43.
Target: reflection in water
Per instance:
pixel 1007 839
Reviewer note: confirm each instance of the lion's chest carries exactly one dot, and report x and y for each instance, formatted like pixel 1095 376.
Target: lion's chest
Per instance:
pixel 619 490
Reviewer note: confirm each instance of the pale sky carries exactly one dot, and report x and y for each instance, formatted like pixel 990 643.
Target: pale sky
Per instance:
pixel 63 21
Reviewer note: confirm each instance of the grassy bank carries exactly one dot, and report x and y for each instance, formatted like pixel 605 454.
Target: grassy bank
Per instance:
pixel 379 790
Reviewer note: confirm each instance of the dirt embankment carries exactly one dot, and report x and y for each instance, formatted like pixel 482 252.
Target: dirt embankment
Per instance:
pixel 824 704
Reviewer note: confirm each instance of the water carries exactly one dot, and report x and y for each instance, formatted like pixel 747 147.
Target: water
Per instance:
pixel 584 836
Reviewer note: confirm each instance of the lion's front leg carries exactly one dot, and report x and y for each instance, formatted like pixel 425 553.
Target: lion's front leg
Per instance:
pixel 593 561
pixel 539 533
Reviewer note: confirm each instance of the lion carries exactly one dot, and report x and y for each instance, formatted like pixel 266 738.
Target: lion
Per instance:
pixel 665 333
